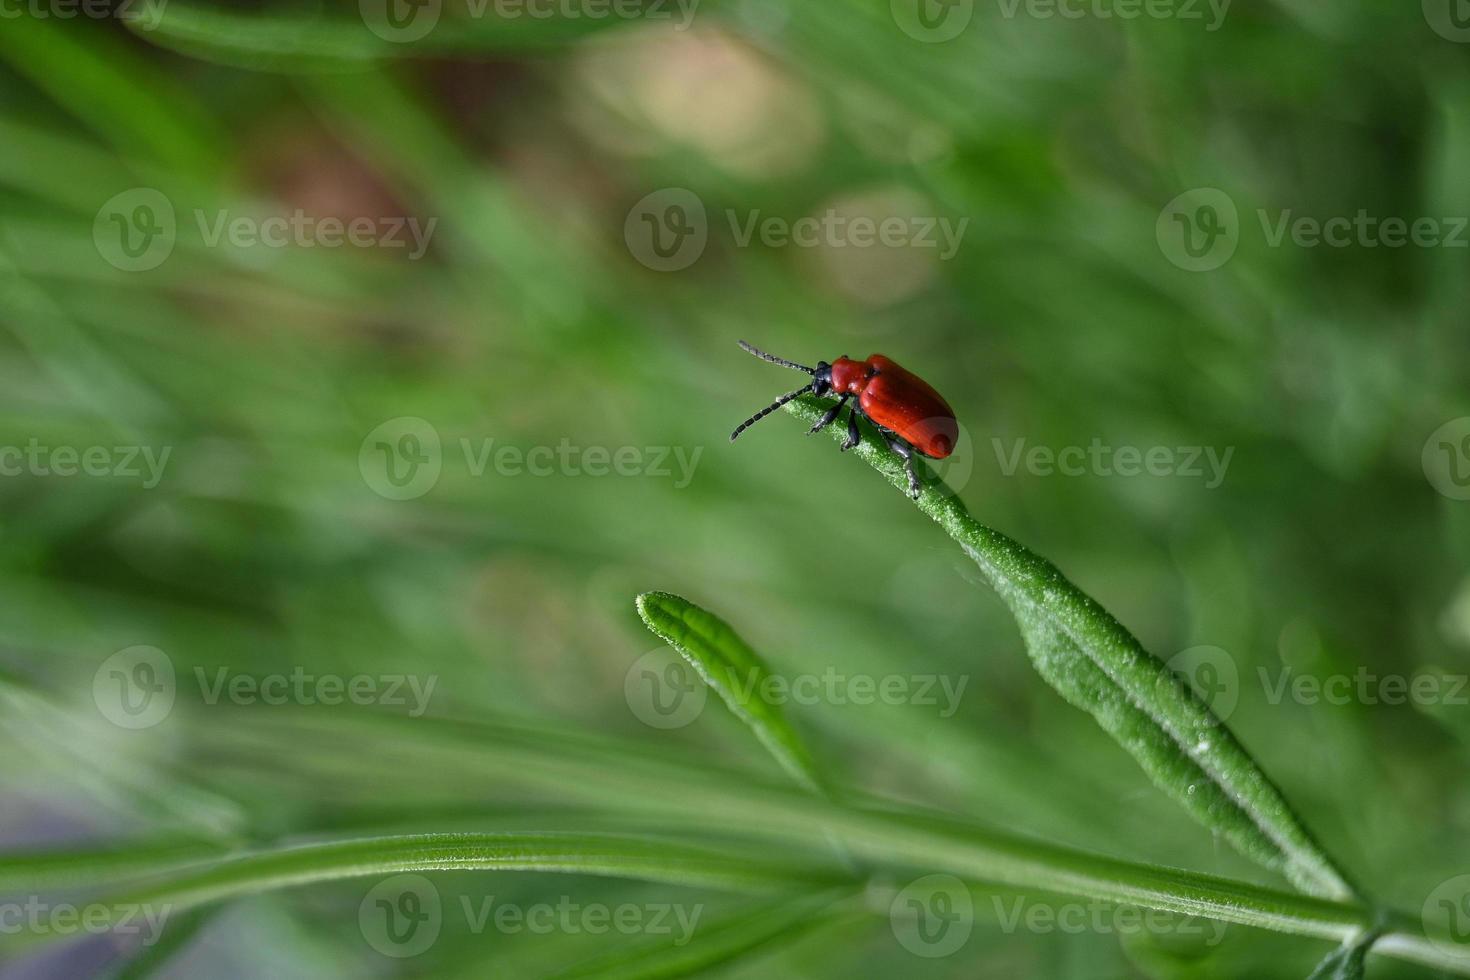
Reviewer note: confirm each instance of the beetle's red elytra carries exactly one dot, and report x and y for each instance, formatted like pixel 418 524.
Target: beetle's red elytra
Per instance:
pixel 903 406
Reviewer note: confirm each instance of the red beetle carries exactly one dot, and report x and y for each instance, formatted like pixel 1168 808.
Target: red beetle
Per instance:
pixel 910 414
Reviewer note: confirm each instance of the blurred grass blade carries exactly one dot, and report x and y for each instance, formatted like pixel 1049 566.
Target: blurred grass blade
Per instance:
pixel 716 944
pixel 40 731
pixel 146 114
pixel 152 960
pixel 645 859
pixel 640 858
pixel 305 42
pixel 1347 962
pixel 1097 665
pixel 758 819
pixel 735 671
pixel 55 870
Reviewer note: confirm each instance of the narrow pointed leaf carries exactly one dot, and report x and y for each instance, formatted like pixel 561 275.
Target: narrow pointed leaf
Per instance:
pixel 735 671
pixel 1347 962
pixel 1096 664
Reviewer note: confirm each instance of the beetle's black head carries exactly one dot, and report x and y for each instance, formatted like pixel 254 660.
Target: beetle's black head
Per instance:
pixel 821 384
pixel 822 379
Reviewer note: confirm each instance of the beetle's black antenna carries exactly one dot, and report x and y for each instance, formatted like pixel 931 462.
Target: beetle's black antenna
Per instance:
pixel 768 410
pixel 774 359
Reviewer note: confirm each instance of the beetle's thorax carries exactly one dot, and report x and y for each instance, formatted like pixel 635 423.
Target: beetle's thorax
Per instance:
pixel 849 377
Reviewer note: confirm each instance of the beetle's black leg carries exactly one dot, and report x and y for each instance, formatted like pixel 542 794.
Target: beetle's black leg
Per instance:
pixel 907 452
pixel 826 420
pixel 854 434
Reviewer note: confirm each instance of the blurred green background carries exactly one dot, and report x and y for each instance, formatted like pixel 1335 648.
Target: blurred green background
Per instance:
pixel 542 153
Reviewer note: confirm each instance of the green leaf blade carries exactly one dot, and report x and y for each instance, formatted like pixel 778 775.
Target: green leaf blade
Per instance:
pixel 735 671
pixel 1097 665
pixel 640 858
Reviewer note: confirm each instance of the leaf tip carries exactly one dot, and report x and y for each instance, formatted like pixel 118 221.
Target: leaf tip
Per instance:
pixel 658 609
